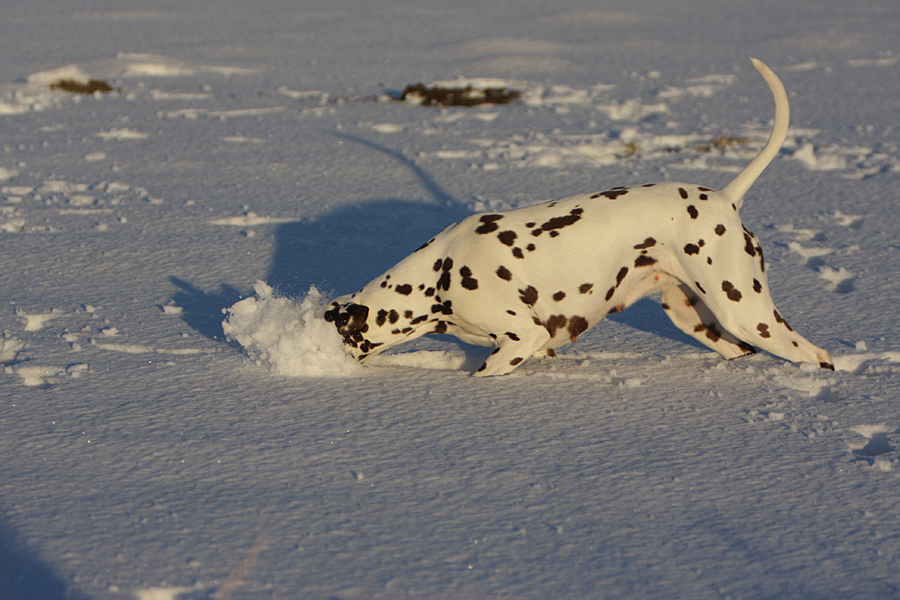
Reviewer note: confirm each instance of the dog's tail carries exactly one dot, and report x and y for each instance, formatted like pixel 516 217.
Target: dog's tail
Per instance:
pixel 739 186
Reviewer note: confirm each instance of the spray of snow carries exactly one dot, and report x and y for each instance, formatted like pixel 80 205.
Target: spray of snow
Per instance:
pixel 288 337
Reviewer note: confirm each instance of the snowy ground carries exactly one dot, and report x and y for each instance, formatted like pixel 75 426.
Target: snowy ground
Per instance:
pixel 146 456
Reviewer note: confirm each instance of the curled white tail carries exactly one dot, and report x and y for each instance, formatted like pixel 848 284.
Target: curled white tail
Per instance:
pixel 739 186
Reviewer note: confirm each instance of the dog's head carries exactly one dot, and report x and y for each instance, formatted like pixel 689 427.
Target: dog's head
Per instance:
pixel 350 320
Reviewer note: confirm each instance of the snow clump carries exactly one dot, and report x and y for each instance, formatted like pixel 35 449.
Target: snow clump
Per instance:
pixel 287 337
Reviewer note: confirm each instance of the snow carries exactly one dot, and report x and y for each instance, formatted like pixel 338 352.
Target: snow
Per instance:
pixel 250 160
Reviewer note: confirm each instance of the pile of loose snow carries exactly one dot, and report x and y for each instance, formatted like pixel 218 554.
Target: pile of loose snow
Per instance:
pixel 288 338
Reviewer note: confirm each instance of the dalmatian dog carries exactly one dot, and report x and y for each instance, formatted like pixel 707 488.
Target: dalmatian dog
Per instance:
pixel 531 279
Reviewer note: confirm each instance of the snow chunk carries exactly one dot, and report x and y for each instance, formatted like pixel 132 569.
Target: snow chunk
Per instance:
pixel 37 321
pixel 9 350
pixel 289 339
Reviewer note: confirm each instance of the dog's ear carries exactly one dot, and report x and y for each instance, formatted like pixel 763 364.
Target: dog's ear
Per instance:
pixel 358 312
pixel 349 318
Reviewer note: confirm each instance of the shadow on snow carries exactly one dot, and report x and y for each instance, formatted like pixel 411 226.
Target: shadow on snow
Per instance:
pixel 23 576
pixel 342 251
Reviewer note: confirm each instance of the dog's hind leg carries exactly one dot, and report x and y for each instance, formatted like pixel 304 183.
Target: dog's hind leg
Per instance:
pixel 688 312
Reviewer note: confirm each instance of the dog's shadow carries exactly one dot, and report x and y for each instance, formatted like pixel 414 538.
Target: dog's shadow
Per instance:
pixel 341 251
pixel 647 315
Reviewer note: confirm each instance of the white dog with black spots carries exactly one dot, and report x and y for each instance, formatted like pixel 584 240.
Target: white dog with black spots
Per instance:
pixel 531 279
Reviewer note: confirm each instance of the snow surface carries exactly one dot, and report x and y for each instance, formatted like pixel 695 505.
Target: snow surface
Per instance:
pixel 147 455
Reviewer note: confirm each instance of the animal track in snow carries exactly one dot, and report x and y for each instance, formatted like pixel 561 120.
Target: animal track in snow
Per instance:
pixel 841 279
pixel 47 375
pixel 37 321
pixel 851 221
pixel 876 446
pixel 812 257
pixel 52 202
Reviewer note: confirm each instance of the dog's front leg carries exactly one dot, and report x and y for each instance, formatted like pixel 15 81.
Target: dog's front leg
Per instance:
pixel 514 349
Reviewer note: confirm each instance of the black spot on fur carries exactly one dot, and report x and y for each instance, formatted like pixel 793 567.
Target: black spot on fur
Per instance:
pixel 511 312
pixel 381 317
pixel 826 365
pixel 408 314
pixel 504 274
pixel 577 326
pixel 441 327
pixel 537 232
pixel 610 292
pixel 482 367
pixel 531 247
pixel 445 308
pixel 516 361
pixel 488 224
pixel 648 243
pixel 705 189
pixel 611 194
pixel 665 306
pixel 517 252
pixel 555 323
pixel 692 211
pixel 748 245
pixel 691 249
pixel 507 237
pixel 644 261
pixel 757 286
pixel 530 224
pixel 699 287
pixel 621 275
pixel 529 296
pixel 733 293
pixel 713 332
pixel 418 319
pixel 404 289
pixel 512 336
pixel 558 296
pixel 683 193
pixel 425 245
pixel 448 264
pixel 584 288
pixel 554 233
pixel 720 229
pixel 438 264
pixel 468 282
pixel 781 320
pixel 704 197
pixel 560 222
pixel 429 292
pixel 393 316
pixel 763 330
pixel 444 282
